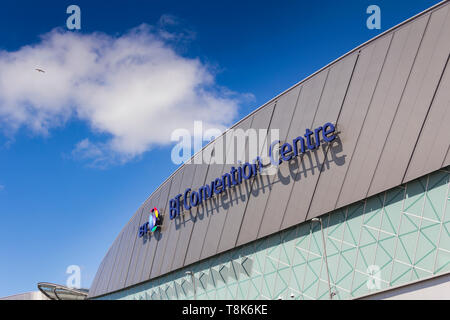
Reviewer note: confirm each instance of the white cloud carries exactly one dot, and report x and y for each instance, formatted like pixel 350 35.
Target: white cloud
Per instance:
pixel 135 88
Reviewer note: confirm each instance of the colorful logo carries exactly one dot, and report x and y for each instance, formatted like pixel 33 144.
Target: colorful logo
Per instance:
pixel 154 222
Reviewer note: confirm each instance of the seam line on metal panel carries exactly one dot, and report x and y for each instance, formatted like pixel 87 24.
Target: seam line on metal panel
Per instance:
pixel 167 231
pixel 300 159
pixel 425 118
pixel 446 155
pixel 142 251
pixel 253 182
pixel 364 121
pixel 97 279
pixel 211 217
pixel 178 237
pixel 328 146
pixel 110 265
pixel 116 249
pixel 194 221
pixel 226 217
pixel 157 243
pixel 132 249
pixel 171 222
pixel 398 105
pixel 273 181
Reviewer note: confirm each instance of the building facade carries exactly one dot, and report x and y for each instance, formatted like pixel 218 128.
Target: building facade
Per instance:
pixel 358 206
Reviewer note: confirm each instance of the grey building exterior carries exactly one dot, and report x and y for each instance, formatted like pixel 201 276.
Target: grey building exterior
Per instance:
pixel 390 102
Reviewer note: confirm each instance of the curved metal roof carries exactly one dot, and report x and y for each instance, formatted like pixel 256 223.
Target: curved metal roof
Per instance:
pixel 59 292
pixel 370 93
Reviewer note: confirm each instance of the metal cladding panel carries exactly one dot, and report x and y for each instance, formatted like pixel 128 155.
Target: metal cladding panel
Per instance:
pixel 330 104
pixel 415 103
pixel 119 252
pixel 303 117
pixel 96 281
pixel 140 246
pixel 434 140
pixel 393 78
pixel 132 257
pixel 101 276
pixel 349 125
pixel 259 188
pixel 208 207
pixel 111 265
pixel 106 271
pixel 123 261
pixel 234 216
pixel 166 226
pixel 217 221
pixel 155 238
pixel 187 218
pixel 132 235
pixel 281 121
pixel 175 225
pixel 114 279
pixel 103 282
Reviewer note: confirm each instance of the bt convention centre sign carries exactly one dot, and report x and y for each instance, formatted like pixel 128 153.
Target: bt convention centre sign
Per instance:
pixel 287 151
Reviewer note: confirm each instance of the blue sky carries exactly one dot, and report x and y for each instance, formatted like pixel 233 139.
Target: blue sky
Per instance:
pixel 72 175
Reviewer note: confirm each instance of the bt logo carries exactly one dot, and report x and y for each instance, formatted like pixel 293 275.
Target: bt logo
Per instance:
pixel 154 222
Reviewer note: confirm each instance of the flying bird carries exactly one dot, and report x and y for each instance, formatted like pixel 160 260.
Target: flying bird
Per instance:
pixel 40 70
